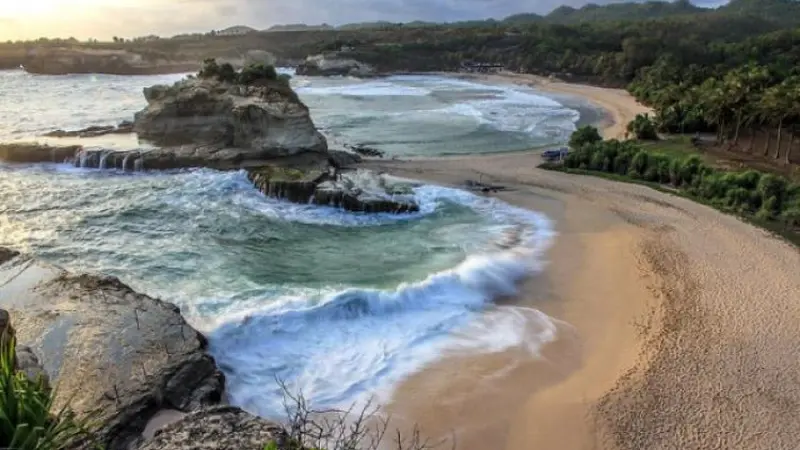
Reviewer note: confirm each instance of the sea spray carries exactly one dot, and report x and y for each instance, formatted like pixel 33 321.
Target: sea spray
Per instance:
pixel 348 346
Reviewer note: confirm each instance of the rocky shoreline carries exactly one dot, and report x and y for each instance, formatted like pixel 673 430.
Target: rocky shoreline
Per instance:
pixel 228 120
pixel 118 356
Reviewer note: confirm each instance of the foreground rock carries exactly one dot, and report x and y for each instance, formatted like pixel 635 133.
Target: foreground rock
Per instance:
pixel 325 65
pixel 359 191
pixel 261 121
pixel 114 355
pixel 219 428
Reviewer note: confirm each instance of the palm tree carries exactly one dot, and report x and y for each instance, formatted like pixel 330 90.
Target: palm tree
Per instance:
pixel 777 104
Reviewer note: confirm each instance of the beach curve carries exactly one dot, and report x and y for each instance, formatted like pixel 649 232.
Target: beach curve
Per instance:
pixel 683 324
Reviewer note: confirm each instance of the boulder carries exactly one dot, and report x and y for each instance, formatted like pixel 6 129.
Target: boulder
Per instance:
pixel 218 428
pixel 359 191
pixel 326 65
pixel 261 121
pixel 114 355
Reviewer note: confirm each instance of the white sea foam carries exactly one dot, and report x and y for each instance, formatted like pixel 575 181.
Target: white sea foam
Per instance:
pixel 339 347
pixel 364 89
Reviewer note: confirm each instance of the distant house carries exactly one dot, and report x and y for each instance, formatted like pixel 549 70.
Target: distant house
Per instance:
pixel 239 30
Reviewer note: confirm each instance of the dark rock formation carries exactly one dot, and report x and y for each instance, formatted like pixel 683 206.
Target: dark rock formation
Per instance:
pixel 261 121
pixel 360 191
pixel 93 131
pixel 365 150
pixel 115 355
pixel 218 428
pixel 324 65
pixel 31 152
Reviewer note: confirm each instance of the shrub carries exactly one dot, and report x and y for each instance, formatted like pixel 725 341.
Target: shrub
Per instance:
pixel 583 136
pixel 598 161
pixel 226 73
pixel 639 163
pixel 26 422
pixel 210 69
pixel 643 128
pixel 255 72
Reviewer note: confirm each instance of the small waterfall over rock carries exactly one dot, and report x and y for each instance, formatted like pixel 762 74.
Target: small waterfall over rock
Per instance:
pixel 125 162
pixel 138 164
pixel 103 159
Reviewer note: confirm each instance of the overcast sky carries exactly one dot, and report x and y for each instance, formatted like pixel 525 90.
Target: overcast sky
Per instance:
pixel 102 19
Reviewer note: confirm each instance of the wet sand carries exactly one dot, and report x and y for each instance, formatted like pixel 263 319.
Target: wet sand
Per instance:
pixel 678 326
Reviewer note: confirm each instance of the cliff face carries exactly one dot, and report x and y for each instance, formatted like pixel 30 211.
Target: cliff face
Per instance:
pixel 264 120
pixel 62 61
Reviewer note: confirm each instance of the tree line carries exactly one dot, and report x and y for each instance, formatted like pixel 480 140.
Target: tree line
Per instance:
pixel 766 197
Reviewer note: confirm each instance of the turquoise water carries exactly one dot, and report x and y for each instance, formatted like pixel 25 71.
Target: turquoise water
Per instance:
pixel 340 305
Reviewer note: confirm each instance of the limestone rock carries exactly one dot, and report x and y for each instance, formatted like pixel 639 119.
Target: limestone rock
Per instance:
pixel 114 354
pixel 265 120
pixel 330 65
pixel 360 191
pixel 32 152
pixel 218 428
pixel 93 131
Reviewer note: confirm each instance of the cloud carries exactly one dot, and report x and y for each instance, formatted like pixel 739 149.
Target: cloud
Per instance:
pixel 131 18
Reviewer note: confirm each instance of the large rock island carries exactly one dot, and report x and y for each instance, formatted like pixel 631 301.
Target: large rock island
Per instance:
pixel 228 120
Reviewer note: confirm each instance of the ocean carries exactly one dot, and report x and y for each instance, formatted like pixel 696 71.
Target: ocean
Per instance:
pixel 340 306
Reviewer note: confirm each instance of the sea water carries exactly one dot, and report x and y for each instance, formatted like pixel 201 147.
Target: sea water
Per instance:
pixel 341 306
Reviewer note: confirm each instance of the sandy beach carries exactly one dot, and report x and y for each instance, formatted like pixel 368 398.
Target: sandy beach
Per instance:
pixel 677 325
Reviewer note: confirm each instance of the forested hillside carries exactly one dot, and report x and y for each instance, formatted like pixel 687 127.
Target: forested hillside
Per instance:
pixel 732 71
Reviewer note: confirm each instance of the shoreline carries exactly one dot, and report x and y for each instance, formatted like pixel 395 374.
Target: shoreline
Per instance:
pixel 629 274
pixel 618 104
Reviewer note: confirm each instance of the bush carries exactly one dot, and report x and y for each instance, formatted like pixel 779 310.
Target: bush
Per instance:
pixel 210 69
pixel 26 422
pixel 226 73
pixel 255 72
pixel 248 75
pixel 767 196
pixel 643 128
pixel 584 135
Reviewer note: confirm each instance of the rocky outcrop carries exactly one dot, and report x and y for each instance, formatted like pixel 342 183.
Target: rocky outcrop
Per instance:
pixel 93 131
pixel 360 191
pixel 63 60
pixel 219 428
pixel 32 152
pixel 115 355
pixel 325 65
pixel 262 121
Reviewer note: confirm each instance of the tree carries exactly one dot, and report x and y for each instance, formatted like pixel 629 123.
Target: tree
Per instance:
pixel 642 128
pixel 583 136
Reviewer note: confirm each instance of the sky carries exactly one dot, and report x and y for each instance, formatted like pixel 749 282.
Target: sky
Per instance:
pixel 102 19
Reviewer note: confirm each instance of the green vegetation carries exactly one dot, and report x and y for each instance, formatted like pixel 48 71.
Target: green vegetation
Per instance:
pixel 767 199
pixel 249 75
pixel 26 421
pixel 643 128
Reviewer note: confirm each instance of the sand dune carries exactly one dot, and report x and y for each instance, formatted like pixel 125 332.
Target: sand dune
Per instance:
pixel 680 326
